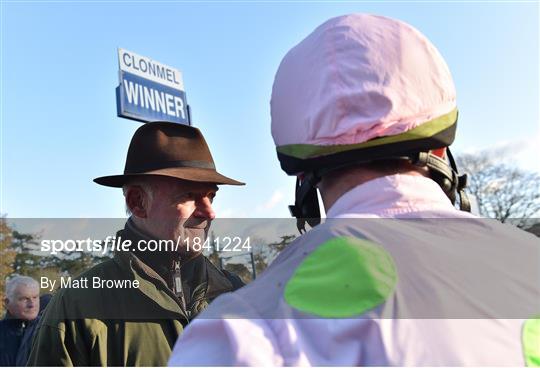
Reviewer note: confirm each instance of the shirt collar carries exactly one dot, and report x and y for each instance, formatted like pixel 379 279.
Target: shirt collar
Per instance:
pixel 392 196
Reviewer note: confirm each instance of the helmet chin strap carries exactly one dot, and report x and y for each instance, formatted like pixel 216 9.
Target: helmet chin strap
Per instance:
pixel 306 205
pixel 446 175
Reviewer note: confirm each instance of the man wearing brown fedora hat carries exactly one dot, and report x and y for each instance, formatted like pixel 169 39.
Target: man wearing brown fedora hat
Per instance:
pixel 169 183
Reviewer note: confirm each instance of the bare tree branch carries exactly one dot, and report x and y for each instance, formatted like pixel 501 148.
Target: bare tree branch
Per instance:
pixel 502 190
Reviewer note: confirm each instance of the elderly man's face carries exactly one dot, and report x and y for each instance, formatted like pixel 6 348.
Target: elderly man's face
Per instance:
pixel 180 209
pixel 24 304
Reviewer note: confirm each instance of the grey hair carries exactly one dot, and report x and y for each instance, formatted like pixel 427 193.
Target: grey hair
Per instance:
pixel 139 182
pixel 14 282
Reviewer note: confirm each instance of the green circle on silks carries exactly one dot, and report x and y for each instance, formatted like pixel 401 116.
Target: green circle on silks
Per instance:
pixel 343 277
pixel 531 341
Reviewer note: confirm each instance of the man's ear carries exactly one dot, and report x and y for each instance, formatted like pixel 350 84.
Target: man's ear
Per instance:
pixel 137 201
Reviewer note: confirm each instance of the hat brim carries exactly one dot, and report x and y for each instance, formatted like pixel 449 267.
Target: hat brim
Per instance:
pixel 184 173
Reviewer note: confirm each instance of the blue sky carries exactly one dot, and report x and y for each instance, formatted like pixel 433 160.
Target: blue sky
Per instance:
pixel 60 70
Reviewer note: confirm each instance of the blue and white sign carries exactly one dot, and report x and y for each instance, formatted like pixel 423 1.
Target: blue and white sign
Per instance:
pixel 150 90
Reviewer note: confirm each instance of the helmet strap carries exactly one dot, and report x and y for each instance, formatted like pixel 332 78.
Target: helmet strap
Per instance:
pixel 306 205
pixel 464 202
pixel 446 175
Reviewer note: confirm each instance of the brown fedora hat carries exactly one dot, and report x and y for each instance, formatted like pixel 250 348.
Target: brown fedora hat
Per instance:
pixel 168 149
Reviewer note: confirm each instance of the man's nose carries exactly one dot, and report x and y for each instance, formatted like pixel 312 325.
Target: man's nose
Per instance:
pixel 204 209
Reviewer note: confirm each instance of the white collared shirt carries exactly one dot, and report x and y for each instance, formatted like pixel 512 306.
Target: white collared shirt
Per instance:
pixel 395 196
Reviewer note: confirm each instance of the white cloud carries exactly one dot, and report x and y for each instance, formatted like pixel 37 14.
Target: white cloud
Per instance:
pixel 228 212
pixel 521 152
pixel 273 201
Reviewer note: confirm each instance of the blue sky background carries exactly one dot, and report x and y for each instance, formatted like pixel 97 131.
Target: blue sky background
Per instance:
pixel 59 72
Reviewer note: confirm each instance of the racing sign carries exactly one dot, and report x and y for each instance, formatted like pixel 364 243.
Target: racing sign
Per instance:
pixel 150 90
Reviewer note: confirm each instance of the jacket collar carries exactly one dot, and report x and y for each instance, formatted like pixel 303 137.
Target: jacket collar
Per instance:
pixel 201 280
pixel 151 284
pixel 398 195
pixel 15 322
pixel 160 262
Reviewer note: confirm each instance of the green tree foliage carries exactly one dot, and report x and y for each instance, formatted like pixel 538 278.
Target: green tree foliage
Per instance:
pixel 27 263
pixel 260 263
pixel 283 243
pixel 263 254
pixel 30 263
pixel 20 255
pixel 7 256
pixel 241 270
